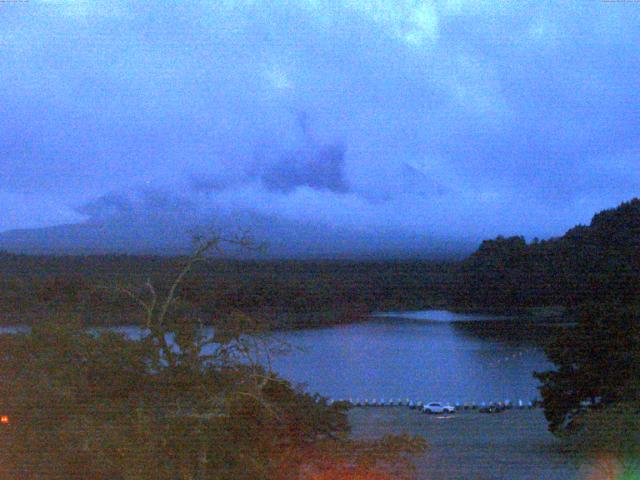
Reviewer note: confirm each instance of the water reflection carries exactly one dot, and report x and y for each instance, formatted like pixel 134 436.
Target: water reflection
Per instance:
pixel 438 316
pixel 400 357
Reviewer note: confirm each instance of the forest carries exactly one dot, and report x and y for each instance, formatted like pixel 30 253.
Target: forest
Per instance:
pixel 595 263
pixel 599 262
pixel 285 293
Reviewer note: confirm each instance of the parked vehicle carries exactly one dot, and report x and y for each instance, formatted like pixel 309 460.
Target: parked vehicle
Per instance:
pixel 493 408
pixel 438 407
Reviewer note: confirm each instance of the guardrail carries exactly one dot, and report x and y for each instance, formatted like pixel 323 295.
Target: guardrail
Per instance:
pixel 413 404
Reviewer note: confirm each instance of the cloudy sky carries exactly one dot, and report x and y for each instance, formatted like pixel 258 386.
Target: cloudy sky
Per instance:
pixel 447 121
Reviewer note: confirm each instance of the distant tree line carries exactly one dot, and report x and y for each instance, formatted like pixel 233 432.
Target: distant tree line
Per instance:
pixel 595 263
pixel 286 293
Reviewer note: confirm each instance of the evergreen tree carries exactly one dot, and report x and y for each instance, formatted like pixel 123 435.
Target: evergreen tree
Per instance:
pixel 597 363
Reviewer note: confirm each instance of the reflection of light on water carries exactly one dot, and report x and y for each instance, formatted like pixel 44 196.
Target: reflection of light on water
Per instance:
pixel 438 316
pixel 513 356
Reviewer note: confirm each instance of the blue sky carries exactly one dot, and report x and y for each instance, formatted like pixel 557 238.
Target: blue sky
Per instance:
pixel 447 120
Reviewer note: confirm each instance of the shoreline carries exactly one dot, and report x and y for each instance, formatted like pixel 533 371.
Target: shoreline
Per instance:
pixel 287 321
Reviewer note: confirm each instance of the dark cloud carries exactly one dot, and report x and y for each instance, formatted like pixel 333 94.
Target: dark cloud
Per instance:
pixel 313 164
pixel 451 119
pixel 209 183
pixel 106 207
pixel 320 168
pixel 147 205
pixel 310 163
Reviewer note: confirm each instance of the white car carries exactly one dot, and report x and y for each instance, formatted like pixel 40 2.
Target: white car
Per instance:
pixel 438 407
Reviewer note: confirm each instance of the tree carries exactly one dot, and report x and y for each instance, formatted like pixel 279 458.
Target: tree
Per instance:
pixel 180 402
pixel 597 364
pixel 595 263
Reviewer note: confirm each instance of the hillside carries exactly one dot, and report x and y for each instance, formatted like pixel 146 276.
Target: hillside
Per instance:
pixel 598 262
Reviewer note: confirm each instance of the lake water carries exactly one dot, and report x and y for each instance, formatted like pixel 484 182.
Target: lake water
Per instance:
pixel 416 355
pixel 423 356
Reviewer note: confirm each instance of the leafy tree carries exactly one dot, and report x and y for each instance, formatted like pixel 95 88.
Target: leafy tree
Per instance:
pixel 595 263
pixel 181 402
pixel 597 363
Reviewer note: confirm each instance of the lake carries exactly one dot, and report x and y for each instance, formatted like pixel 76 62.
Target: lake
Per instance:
pixel 423 356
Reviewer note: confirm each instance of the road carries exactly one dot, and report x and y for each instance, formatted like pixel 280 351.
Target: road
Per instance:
pixel 513 445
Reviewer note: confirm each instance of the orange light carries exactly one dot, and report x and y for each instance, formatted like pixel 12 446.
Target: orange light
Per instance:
pixel 344 473
pixel 4 419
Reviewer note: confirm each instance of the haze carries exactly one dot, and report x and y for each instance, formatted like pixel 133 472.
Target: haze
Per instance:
pixel 330 128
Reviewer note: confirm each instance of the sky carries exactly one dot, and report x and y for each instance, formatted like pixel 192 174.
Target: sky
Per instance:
pixel 367 125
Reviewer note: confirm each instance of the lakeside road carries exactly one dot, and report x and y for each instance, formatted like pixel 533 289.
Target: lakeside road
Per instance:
pixel 513 445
